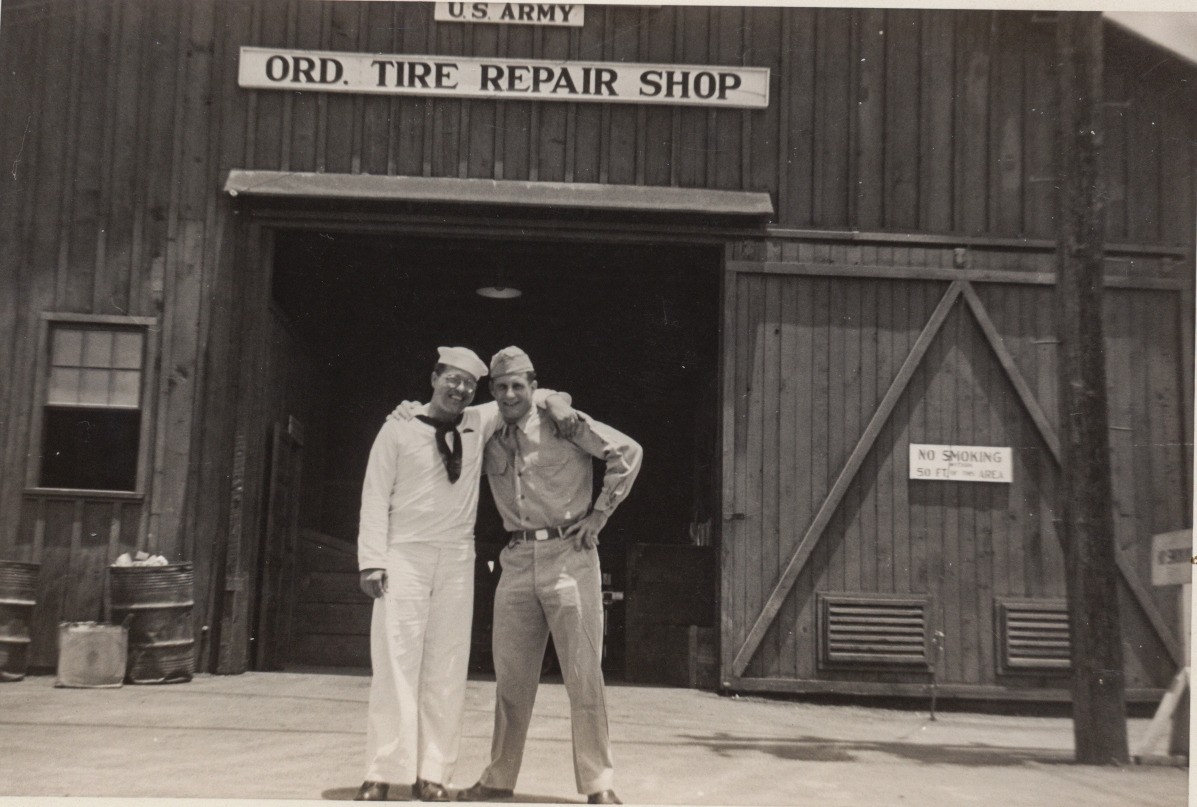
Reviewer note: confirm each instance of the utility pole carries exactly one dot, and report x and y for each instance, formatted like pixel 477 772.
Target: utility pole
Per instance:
pixel 1086 520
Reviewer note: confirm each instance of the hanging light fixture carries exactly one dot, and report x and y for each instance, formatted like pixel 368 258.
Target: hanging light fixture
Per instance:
pixel 499 289
pixel 499 292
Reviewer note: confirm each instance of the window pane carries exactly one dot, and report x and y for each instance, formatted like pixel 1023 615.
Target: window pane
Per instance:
pixel 94 387
pixel 97 349
pixel 64 385
pixel 67 349
pixel 92 424
pixel 126 388
pixel 127 351
pixel 95 449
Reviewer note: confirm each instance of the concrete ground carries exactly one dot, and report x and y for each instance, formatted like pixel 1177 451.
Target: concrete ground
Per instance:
pixel 301 736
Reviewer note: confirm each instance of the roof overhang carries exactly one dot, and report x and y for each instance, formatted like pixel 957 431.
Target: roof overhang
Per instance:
pixel 503 192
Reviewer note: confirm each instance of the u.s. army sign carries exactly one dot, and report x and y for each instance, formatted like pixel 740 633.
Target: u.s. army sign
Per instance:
pixel 572 14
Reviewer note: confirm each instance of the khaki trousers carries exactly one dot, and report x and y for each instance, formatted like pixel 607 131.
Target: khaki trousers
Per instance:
pixel 420 652
pixel 548 586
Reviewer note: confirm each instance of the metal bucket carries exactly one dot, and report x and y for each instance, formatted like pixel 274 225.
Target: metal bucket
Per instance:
pixel 18 590
pixel 157 602
pixel 92 655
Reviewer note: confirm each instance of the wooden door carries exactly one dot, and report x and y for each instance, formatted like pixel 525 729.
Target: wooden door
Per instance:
pixel 276 604
pixel 670 615
pixel 831 371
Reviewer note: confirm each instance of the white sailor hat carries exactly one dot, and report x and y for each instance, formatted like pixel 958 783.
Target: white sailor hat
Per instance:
pixel 463 359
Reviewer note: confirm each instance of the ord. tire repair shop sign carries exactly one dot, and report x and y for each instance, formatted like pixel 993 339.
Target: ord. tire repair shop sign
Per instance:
pixel 515 79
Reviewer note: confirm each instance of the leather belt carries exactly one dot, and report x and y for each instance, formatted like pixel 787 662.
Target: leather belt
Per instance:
pixel 543 534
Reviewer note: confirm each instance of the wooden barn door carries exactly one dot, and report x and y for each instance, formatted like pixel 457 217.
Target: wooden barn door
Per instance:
pixel 830 372
pixel 816 361
pixel 276 603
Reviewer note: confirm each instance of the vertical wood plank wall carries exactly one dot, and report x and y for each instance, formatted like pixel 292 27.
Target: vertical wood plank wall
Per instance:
pixel 122 116
pixel 896 120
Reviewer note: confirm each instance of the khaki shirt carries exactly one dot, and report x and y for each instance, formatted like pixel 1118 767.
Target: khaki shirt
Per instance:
pixel 540 479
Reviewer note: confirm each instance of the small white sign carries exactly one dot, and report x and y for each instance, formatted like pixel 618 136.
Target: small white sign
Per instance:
pixel 961 463
pixel 514 79
pixel 570 14
pixel 1172 558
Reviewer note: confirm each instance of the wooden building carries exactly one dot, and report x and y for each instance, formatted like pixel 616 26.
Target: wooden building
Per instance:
pixel 212 291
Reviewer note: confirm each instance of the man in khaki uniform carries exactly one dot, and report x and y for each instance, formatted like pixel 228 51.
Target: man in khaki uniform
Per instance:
pixel 551 581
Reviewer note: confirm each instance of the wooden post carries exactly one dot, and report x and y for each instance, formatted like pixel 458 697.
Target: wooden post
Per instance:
pixel 1178 745
pixel 1171 565
pixel 1087 526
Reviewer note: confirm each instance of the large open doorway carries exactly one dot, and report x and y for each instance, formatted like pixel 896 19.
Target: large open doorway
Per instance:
pixel 631 331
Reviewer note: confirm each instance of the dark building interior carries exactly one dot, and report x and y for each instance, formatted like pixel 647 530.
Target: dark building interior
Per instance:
pixel 631 332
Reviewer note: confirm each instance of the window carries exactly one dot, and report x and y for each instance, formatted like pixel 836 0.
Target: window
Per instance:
pixel 91 423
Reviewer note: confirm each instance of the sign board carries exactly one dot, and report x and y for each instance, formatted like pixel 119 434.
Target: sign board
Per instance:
pixel 961 463
pixel 1172 558
pixel 511 13
pixel 515 79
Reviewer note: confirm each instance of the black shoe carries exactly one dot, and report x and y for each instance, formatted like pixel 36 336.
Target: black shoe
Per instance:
pixel 372 791
pixel 429 791
pixel 481 792
pixel 603 797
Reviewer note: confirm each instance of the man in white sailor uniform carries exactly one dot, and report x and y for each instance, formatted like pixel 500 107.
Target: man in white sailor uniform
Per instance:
pixel 416 556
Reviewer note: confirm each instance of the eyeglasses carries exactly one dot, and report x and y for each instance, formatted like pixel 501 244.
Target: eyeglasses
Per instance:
pixel 455 380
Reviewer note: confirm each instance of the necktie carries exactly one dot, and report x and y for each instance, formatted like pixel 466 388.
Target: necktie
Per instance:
pixel 511 440
pixel 451 457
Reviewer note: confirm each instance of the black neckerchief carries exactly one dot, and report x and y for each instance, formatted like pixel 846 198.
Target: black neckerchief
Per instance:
pixel 451 457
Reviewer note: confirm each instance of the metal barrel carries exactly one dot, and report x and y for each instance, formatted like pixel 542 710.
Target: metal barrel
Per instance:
pixel 156 601
pixel 18 592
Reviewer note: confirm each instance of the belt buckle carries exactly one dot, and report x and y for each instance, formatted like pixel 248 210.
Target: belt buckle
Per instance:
pixel 541 534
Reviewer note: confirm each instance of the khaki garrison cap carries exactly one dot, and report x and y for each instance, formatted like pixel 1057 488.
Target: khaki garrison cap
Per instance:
pixel 510 360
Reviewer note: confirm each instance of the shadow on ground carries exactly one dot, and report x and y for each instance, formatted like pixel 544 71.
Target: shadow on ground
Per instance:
pixel 403 793
pixel 394 793
pixel 820 749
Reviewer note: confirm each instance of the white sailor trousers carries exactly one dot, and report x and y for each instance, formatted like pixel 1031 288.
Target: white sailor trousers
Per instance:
pixel 420 651
pixel 550 587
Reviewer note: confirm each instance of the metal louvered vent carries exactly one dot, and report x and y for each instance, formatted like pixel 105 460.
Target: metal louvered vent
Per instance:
pixel 873 631
pixel 1033 635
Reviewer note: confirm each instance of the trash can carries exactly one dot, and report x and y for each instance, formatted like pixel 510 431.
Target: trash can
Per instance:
pixel 92 655
pixel 157 602
pixel 18 592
